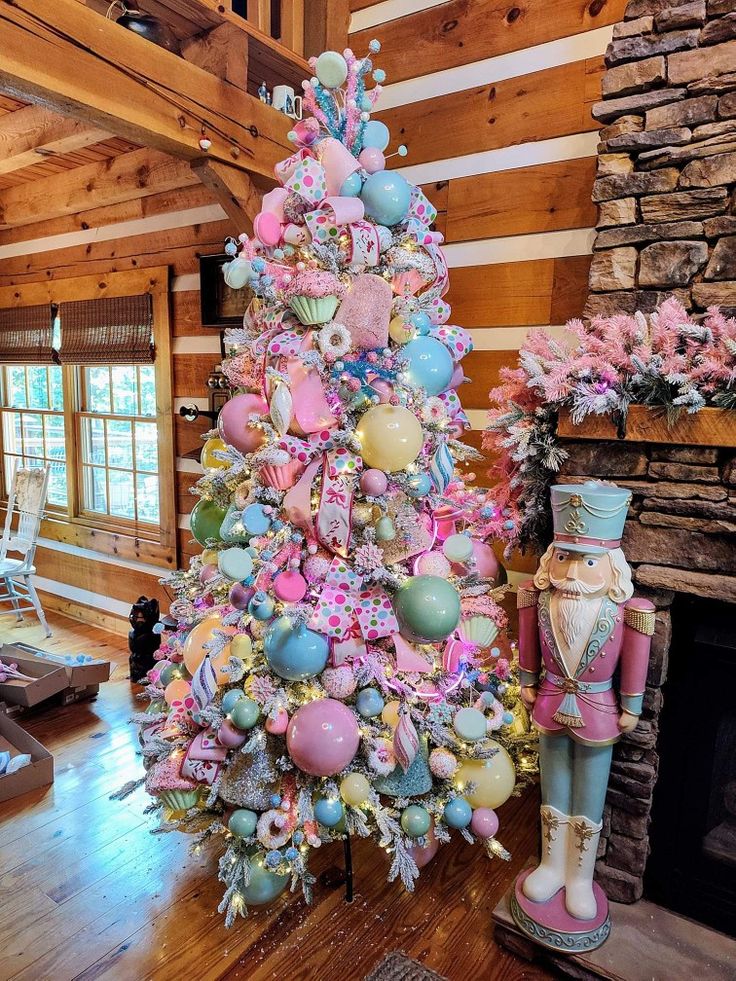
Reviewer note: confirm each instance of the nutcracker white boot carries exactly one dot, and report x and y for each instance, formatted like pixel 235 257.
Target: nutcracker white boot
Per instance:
pixel 583 838
pixel 549 876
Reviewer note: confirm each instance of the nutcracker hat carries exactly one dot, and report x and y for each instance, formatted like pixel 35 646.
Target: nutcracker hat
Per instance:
pixel 589 517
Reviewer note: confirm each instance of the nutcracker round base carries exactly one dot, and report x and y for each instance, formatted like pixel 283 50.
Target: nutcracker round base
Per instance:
pixel 550 925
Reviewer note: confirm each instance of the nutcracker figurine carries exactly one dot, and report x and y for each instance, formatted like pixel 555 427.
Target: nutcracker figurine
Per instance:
pixel 577 625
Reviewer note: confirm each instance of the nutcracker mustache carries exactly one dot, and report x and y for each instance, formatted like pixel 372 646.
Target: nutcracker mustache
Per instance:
pixel 573 587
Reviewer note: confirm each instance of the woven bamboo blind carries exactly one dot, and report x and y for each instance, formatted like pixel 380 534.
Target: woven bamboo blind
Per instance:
pixel 109 330
pixel 26 335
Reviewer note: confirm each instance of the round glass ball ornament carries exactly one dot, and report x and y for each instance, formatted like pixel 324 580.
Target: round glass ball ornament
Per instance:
pixel 376 134
pixel 294 653
pixel 354 789
pixel 329 811
pixel 430 365
pixel 420 485
pixel 390 437
pixel 427 608
pixel 323 737
pixel 494 779
pixel 352 186
pixel 386 196
pixel 242 822
pixel 457 813
pixel 205 521
pixel 244 714
pixel 230 699
pixel 263 886
pixel 415 821
pixel 369 703
pixel 207 458
pixel 373 483
pixel 484 822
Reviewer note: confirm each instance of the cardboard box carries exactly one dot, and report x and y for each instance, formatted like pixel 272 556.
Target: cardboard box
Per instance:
pixel 78 675
pixel 71 696
pixel 38 773
pixel 48 679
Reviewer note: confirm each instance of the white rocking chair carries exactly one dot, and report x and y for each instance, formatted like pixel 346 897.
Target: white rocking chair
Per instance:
pixel 27 499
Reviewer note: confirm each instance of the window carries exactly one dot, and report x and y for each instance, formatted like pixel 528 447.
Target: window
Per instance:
pixel 33 424
pixel 104 424
pixel 117 434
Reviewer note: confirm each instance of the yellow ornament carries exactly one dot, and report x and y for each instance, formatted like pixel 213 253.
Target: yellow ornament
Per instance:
pixel 209 556
pixel 194 652
pixel 390 713
pixel 494 779
pixel 399 331
pixel 241 646
pixel 354 789
pixel 208 459
pixel 390 437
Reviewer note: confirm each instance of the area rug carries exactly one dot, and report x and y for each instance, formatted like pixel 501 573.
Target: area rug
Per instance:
pixel 399 967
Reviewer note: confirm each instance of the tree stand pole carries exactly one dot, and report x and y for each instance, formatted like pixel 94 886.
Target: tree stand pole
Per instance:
pixel 348 869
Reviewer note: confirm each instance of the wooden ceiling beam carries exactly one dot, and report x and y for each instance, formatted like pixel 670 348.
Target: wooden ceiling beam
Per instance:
pixel 30 135
pixel 234 191
pixel 68 58
pixel 222 51
pixel 124 178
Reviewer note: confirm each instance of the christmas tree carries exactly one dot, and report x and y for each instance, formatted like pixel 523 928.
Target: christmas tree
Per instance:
pixel 334 669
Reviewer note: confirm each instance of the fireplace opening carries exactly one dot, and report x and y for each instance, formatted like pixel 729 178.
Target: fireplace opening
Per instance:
pixel 692 866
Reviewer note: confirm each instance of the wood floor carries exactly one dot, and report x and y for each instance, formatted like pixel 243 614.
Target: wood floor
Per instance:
pixel 86 892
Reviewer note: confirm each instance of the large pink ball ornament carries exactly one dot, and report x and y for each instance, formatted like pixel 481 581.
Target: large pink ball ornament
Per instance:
pixel 233 422
pixel 371 159
pixel 486 564
pixel 323 737
pixel 423 854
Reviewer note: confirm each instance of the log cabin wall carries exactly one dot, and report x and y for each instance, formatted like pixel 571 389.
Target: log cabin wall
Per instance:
pixel 170 227
pixel 493 100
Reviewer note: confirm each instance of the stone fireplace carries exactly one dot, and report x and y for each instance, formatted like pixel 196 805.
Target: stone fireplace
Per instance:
pixel 680 539
pixel 666 183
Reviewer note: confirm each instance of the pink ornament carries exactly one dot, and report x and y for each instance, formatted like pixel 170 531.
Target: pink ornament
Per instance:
pixel 486 564
pixel 442 763
pixel 316 567
pixel 484 822
pixel 208 572
pixel 323 737
pixel 240 596
pixel 383 389
pixel 229 736
pixel 290 586
pixel 233 422
pixel 279 725
pixel 374 483
pixel 338 682
pixel 372 159
pixel 267 228
pixel 423 854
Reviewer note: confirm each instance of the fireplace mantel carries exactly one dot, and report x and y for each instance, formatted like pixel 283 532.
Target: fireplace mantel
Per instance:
pixel 708 427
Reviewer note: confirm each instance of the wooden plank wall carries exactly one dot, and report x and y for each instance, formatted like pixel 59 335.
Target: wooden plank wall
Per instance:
pixel 170 228
pixel 493 101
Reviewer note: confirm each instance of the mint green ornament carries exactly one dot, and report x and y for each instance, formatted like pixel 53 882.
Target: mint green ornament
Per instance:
pixel 331 69
pixel 385 530
pixel 264 886
pixel 244 714
pixel 242 822
pixel 427 608
pixel 470 724
pixel 415 820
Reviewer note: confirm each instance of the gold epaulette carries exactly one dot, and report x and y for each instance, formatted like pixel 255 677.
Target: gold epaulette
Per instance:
pixel 526 597
pixel 640 620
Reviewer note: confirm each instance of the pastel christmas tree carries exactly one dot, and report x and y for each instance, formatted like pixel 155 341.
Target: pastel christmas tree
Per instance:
pixel 335 670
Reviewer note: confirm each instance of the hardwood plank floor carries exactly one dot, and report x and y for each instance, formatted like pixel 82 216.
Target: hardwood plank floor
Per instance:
pixel 87 893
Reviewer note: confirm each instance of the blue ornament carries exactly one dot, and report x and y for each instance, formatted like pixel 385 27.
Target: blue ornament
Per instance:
pixel 379 75
pixel 374 45
pixel 507 718
pixel 230 698
pixel 369 703
pixel 261 606
pixel 258 264
pixel 420 322
pixel 430 365
pixel 291 854
pixel 329 811
pixel 420 485
pixel 263 886
pixel 365 104
pixel 386 196
pixel 273 858
pixel 442 468
pixel 298 837
pixel 294 653
pixel 231 247
pixel 275 800
pixel 457 813
pixel 243 823
pixel 508 525
pixel 255 520
pixel 376 133
pixel 352 186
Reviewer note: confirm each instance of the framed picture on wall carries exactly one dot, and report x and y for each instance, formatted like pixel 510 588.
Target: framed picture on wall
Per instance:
pixel 220 306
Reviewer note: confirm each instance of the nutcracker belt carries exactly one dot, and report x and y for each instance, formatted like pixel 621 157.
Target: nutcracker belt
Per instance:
pixel 568 714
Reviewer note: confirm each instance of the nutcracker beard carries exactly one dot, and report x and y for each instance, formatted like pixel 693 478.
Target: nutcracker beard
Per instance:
pixel 575 609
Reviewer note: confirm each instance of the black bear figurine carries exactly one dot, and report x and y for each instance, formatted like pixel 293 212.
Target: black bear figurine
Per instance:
pixel 142 641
